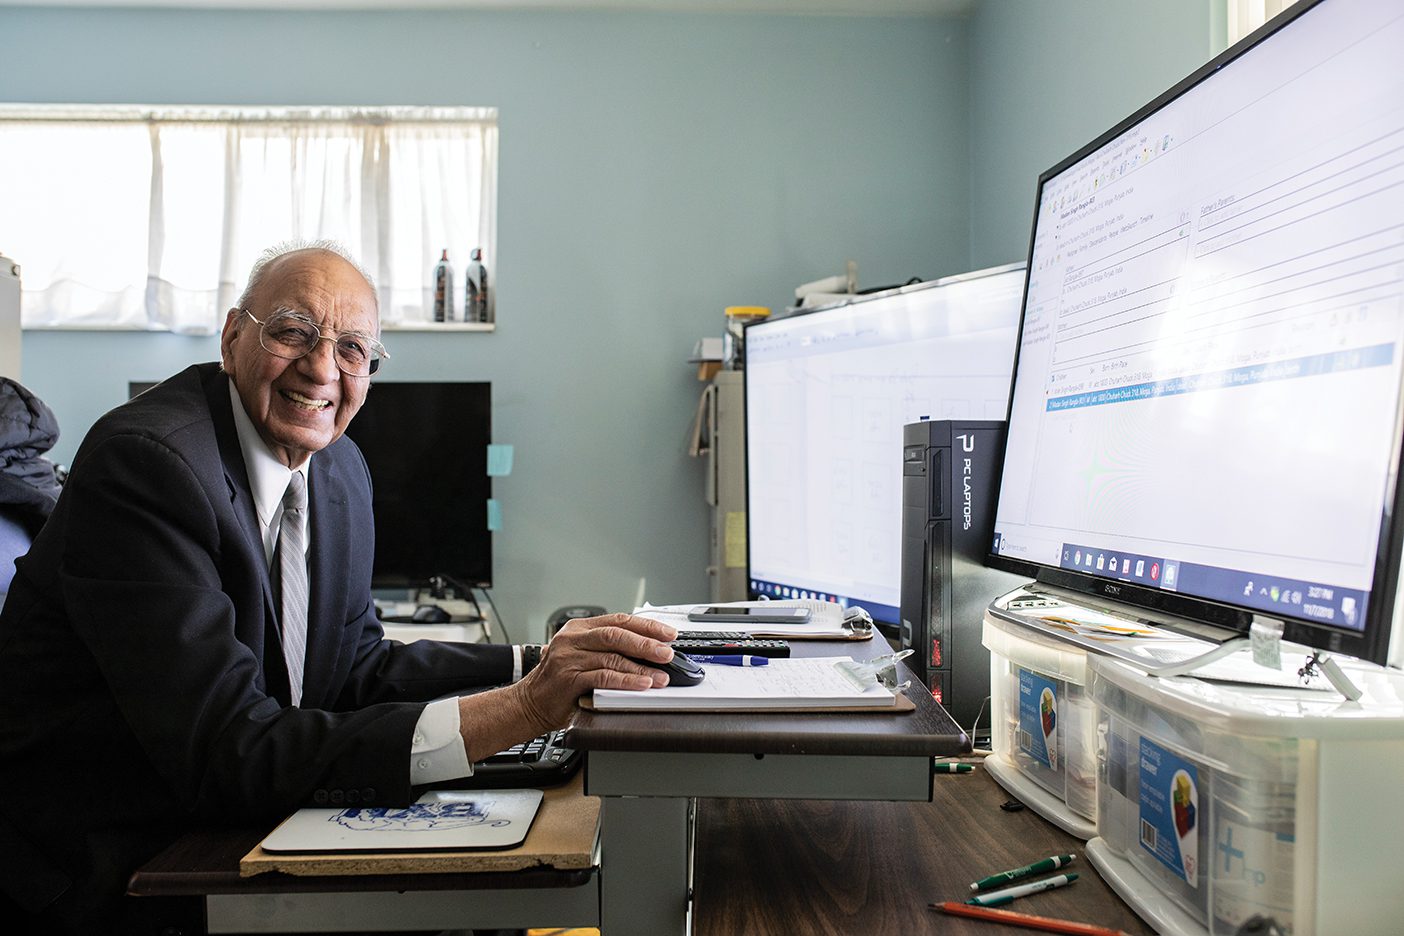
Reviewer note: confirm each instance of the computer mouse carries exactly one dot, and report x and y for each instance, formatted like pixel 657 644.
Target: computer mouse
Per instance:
pixel 430 614
pixel 682 669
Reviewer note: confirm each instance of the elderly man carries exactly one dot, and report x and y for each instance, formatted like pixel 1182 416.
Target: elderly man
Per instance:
pixel 192 638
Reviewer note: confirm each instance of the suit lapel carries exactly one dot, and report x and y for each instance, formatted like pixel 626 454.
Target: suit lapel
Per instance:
pixel 331 557
pixel 236 477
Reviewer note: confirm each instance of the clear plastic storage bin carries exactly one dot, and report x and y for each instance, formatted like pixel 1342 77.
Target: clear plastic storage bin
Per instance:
pixel 1236 800
pixel 1043 720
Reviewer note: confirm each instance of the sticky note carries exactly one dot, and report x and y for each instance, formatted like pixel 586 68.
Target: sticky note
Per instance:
pixel 499 461
pixel 735 533
pixel 494 515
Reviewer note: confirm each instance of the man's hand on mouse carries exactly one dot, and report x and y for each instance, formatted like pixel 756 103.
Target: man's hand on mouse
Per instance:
pixel 584 655
pixel 593 653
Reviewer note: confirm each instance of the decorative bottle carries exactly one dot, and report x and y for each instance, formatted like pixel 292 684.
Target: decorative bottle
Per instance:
pixel 443 289
pixel 475 299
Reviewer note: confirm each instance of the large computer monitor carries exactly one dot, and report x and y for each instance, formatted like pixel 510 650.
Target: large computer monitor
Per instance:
pixel 1206 410
pixel 426 445
pixel 827 394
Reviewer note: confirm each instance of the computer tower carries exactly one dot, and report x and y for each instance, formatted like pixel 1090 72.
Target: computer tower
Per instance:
pixel 949 483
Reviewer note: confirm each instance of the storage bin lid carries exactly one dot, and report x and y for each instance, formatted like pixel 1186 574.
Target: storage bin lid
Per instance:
pixel 1047 626
pixel 1264 711
pixel 1023 646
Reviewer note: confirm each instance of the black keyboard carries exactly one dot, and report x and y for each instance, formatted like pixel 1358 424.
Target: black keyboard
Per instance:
pixel 707 643
pixel 540 762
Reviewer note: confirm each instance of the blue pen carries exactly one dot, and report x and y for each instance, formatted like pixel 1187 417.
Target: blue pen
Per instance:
pixel 731 659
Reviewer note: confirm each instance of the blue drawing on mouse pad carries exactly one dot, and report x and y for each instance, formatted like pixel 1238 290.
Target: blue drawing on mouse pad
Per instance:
pixel 420 817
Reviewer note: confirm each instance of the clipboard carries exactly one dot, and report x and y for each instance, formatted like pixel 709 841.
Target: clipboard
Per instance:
pixel 784 684
pixel 901 705
pixel 849 632
pixel 828 620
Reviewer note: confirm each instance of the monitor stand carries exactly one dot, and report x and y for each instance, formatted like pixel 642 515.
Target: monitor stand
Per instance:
pixel 1264 641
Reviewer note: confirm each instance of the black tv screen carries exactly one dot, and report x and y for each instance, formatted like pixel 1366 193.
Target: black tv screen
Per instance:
pixel 426 444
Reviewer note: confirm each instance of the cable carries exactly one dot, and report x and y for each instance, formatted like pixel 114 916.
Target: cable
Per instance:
pixel 437 585
pixel 497 615
pixel 437 590
pixel 976 724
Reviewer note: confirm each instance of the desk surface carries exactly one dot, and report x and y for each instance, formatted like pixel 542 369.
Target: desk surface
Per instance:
pixel 927 731
pixel 559 851
pixel 767 867
pixel 779 867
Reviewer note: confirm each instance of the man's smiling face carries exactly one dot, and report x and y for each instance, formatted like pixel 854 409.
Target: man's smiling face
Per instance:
pixel 304 405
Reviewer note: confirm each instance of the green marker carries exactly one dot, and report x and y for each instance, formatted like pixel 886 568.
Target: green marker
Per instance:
pixel 1001 897
pixel 952 768
pixel 1038 867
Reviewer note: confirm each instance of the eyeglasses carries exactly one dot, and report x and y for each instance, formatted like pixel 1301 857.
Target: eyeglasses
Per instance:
pixel 291 335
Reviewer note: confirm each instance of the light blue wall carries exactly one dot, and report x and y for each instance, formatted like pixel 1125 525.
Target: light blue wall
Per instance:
pixel 1047 76
pixel 654 169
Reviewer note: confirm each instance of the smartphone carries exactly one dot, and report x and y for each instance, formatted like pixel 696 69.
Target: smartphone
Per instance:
pixel 760 615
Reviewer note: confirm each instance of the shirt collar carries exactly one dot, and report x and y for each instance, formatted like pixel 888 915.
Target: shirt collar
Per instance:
pixel 268 477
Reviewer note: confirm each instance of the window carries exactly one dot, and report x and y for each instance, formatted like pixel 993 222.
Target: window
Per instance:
pixel 1244 16
pixel 150 218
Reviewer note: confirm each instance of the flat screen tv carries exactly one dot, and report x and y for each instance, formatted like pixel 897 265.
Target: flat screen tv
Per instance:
pixel 827 394
pixel 426 445
pixel 1206 410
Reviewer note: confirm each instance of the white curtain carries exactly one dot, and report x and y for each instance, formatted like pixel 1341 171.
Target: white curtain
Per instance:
pixel 151 219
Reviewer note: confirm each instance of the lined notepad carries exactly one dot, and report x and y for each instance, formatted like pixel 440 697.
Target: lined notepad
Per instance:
pixel 786 683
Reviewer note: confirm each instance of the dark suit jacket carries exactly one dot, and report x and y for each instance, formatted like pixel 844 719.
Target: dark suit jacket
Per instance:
pixel 142 684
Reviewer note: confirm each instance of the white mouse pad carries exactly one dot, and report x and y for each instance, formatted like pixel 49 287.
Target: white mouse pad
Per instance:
pixel 440 819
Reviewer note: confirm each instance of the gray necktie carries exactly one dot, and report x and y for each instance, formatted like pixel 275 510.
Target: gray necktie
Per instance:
pixel 292 570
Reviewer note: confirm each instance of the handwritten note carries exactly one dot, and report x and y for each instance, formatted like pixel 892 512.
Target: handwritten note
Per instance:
pixel 810 682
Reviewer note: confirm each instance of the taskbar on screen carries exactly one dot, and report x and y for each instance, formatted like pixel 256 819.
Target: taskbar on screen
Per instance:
pixel 1317 602
pixel 780 591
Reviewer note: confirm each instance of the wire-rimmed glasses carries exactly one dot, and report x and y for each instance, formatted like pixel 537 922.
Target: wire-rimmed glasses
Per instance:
pixel 292 335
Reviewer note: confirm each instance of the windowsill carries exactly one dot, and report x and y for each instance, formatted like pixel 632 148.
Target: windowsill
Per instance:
pixel 438 326
pixel 96 327
pixel 385 327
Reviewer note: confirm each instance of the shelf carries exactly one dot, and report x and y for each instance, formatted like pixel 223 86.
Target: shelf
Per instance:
pixel 438 326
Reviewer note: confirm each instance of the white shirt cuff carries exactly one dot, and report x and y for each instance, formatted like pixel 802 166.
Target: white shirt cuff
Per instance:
pixel 438 752
pixel 516 662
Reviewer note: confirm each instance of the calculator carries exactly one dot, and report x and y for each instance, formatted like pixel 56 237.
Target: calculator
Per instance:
pixel 711 643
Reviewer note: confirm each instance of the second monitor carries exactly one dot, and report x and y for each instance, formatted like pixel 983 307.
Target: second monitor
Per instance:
pixel 827 395
pixel 426 445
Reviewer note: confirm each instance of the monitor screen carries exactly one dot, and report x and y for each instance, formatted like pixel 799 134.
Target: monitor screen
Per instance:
pixel 827 395
pixel 426 445
pixel 1206 405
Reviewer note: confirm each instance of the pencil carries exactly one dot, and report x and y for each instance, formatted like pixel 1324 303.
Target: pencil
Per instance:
pixel 1047 924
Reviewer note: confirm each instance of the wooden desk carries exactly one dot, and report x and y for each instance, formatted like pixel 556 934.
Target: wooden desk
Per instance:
pixel 763 868
pixel 554 884
pixel 879 863
pixel 648 768
pixel 786 867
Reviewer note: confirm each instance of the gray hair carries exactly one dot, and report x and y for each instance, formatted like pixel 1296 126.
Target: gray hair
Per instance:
pixel 293 246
